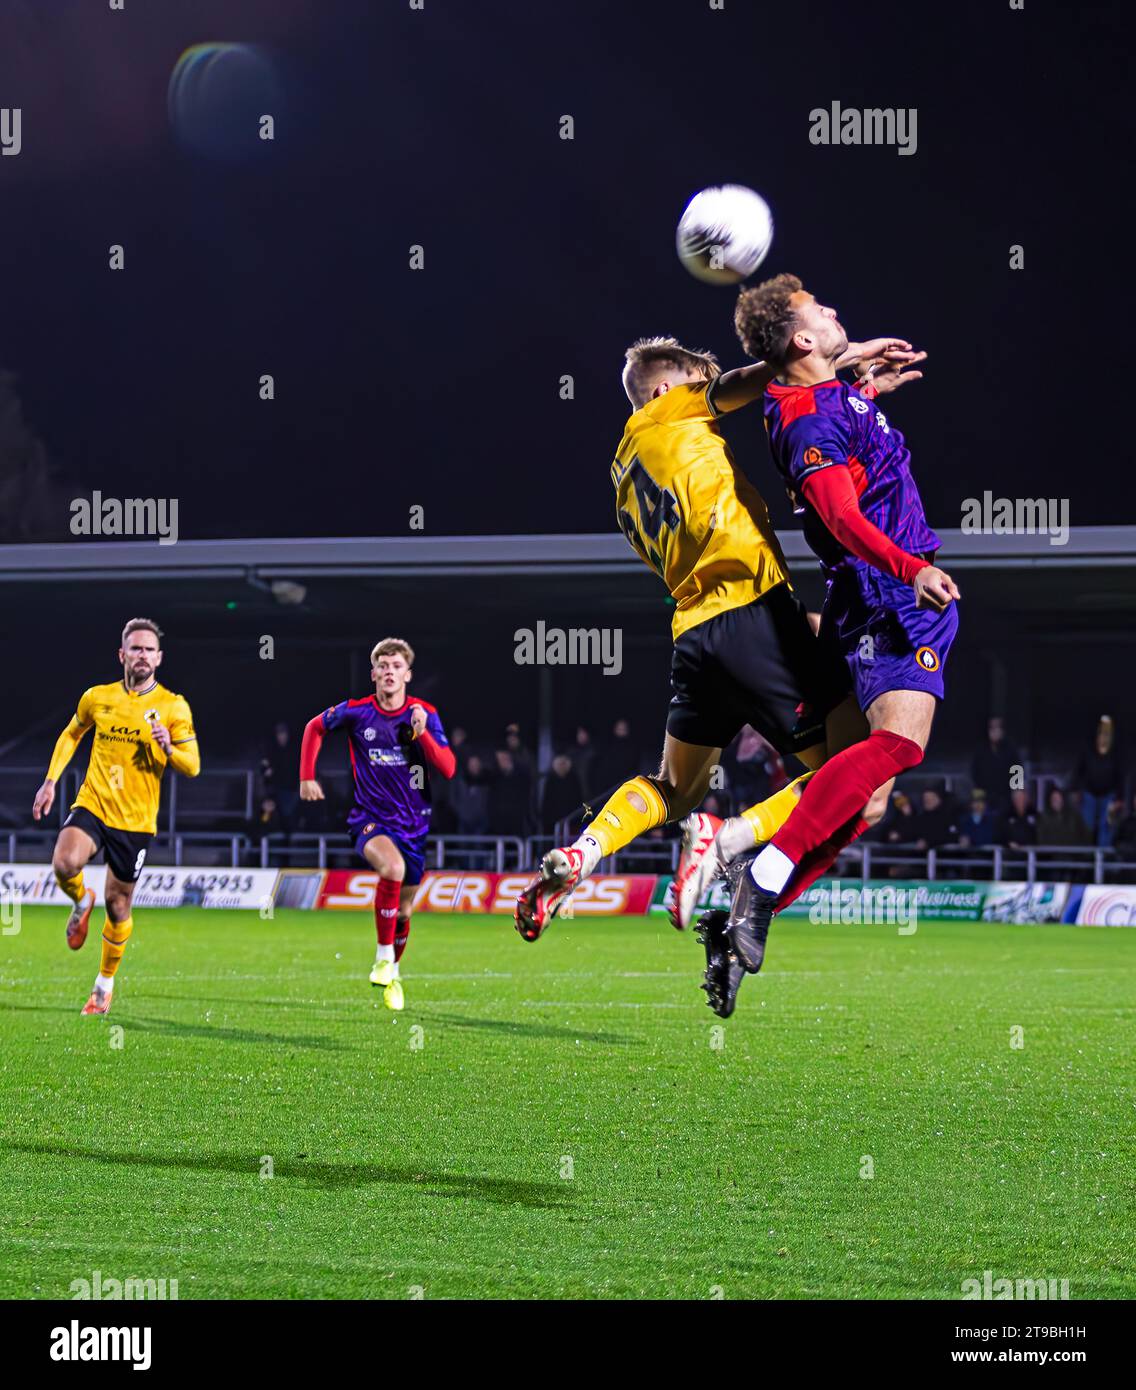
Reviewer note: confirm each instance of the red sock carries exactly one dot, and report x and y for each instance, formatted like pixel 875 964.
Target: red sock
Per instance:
pixel 820 860
pixel 386 909
pixel 400 937
pixel 841 790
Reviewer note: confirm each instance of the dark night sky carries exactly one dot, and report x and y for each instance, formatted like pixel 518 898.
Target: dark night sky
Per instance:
pixel 544 257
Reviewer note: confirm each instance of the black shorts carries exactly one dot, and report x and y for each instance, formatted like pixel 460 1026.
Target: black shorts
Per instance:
pixel 760 665
pixel 125 849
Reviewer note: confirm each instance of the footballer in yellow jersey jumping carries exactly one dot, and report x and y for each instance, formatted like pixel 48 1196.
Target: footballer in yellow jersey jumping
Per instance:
pixel 140 729
pixel 744 651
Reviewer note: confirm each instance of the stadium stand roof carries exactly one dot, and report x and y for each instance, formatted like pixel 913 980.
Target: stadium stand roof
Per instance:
pixel 604 553
pixel 1015 587
pixel 1046 629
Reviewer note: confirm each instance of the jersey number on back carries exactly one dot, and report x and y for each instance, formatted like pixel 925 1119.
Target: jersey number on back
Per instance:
pixel 657 508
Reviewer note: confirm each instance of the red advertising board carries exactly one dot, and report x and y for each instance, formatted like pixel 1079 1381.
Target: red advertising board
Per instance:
pixel 452 890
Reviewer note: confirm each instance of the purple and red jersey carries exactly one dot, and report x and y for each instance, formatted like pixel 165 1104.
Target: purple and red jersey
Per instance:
pixel 391 782
pixel 831 425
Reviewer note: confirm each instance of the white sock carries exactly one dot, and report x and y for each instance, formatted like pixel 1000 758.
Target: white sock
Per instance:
pixel 385 953
pixel 395 976
pixel 589 847
pixel 772 869
pixel 104 982
pixel 734 838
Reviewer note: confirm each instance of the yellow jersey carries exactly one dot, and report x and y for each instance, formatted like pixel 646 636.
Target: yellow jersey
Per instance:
pixel 124 776
pixel 690 512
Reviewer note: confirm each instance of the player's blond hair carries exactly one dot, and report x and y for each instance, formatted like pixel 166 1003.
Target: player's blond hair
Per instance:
pixel 142 625
pixel 393 646
pixel 648 358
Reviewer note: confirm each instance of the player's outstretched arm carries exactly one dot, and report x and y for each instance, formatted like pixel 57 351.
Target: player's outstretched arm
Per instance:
pixel 310 789
pixel 831 494
pixel 739 387
pixel 873 347
pixel 882 365
pixel 877 376
pixel 65 747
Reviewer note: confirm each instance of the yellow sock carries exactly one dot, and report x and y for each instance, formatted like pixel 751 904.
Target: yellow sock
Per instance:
pixel 73 887
pixel 767 817
pixel 621 820
pixel 115 937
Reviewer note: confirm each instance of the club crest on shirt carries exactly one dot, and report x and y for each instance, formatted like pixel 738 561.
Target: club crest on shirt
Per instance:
pixel 368 734
pixel 927 658
pixel 860 406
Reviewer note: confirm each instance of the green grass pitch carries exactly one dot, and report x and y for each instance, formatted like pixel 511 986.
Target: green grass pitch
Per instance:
pixel 567 1126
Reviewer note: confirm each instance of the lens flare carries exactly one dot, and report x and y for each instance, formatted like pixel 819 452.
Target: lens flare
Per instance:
pixel 218 95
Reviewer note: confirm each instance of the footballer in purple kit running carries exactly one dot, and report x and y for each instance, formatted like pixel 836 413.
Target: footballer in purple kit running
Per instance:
pixel 889 612
pixel 393 741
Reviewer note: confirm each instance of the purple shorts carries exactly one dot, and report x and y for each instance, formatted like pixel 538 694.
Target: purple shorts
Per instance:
pixel 888 643
pixel 364 826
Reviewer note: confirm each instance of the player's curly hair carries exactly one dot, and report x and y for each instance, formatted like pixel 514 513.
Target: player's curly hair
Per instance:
pixel 142 625
pixel 646 355
pixel 765 320
pixel 393 646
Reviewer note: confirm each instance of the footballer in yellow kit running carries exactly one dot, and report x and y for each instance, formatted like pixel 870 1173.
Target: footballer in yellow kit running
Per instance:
pixel 140 729
pixel 744 652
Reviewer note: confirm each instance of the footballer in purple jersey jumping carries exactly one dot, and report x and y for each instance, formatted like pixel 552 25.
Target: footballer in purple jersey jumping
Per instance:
pixel 393 741
pixel 889 612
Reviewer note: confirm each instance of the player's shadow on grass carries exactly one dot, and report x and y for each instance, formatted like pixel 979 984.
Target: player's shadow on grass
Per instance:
pixel 40 1008
pixel 329 1176
pixel 528 1030
pixel 173 1028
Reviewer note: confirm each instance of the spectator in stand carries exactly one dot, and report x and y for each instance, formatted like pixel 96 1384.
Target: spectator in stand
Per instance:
pixel 522 758
pixel 561 794
pixel 1059 823
pixel 268 818
pixel 615 761
pixel 1020 828
pixel 934 824
pixel 980 827
pixel 1124 838
pixel 582 759
pixel 459 743
pixel 510 795
pixel 278 761
pixel 444 791
pixel 1099 777
pixel 469 797
pixel 277 755
pixel 747 771
pixel 897 826
pixel 895 829
pixel 1124 842
pixel 995 764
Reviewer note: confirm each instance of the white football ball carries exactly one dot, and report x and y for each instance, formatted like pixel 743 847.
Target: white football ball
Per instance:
pixel 724 234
